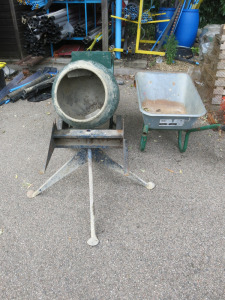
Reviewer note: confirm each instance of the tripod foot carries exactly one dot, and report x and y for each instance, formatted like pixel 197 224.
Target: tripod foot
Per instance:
pixel 31 194
pixel 150 185
pixel 93 241
pixel 104 159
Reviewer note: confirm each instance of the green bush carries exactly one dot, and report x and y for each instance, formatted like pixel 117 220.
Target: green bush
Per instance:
pixel 212 12
pixel 171 48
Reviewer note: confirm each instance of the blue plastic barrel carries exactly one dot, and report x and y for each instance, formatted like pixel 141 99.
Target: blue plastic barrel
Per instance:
pixel 187 27
pixel 160 26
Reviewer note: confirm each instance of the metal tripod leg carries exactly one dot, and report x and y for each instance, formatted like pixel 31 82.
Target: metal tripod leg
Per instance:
pixel 79 159
pixel 104 159
pixel 93 241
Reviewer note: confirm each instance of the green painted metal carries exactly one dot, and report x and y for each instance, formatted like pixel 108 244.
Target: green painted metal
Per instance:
pixel 143 142
pixel 207 127
pixel 183 147
pixel 101 57
pixel 145 129
pixel 144 137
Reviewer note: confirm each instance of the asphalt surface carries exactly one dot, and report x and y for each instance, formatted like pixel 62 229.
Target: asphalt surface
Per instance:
pixel 168 243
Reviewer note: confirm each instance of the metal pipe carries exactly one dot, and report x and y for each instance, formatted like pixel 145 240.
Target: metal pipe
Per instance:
pixel 60 24
pixel 28 90
pixel 58 20
pixel 49 28
pixel 58 12
pixel 88 38
pixel 17 94
pixel 93 241
pixel 91 32
pixel 118 27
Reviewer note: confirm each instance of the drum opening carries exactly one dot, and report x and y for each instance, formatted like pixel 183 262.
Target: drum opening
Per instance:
pixel 81 94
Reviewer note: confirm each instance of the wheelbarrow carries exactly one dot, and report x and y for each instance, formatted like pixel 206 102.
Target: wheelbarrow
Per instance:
pixel 167 89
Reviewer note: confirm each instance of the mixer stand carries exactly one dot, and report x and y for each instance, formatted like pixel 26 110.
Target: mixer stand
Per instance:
pixel 90 144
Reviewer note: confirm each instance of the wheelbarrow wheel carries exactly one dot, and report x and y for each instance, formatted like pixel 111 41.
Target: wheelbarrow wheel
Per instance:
pixel 144 137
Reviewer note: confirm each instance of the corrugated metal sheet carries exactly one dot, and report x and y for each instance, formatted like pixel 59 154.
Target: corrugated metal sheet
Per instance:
pixel 8 43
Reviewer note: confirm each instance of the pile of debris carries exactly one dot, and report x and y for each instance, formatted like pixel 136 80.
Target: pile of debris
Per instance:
pixel 34 88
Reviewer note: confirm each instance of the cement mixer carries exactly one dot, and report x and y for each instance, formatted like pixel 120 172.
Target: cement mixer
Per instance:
pixel 85 93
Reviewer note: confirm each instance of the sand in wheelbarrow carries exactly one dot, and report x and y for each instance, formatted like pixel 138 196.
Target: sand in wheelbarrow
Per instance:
pixel 164 107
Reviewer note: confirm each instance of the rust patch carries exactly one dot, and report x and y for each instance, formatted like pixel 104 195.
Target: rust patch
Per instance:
pixel 120 131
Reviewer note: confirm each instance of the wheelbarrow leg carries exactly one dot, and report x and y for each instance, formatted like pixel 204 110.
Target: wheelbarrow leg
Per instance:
pixel 104 159
pixel 144 137
pixel 183 147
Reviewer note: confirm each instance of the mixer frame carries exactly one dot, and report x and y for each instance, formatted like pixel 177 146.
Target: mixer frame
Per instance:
pixel 90 144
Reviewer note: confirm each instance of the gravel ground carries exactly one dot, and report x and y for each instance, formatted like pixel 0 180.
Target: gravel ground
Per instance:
pixel 168 243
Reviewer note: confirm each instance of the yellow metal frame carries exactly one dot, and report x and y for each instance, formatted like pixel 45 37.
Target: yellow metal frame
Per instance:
pixel 136 22
pixel 137 50
pixel 144 41
pixel 94 42
pixel 138 40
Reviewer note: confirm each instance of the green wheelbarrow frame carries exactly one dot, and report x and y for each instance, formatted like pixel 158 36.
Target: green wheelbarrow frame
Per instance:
pixel 182 146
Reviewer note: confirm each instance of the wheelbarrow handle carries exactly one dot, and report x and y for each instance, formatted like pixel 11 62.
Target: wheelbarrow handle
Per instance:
pixel 207 127
pixel 183 147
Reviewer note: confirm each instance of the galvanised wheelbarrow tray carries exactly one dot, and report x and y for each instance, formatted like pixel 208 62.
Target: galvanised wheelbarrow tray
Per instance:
pixel 170 87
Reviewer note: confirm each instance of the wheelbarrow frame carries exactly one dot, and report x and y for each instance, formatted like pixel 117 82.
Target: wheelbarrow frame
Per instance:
pixel 181 145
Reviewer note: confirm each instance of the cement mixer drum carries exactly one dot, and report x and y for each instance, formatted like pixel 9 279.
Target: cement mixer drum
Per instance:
pixel 85 93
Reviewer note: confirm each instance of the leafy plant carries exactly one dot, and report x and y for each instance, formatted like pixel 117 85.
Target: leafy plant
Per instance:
pixel 171 48
pixel 195 50
pixel 222 2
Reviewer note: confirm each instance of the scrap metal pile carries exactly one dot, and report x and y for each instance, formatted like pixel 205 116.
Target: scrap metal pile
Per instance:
pixel 34 88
